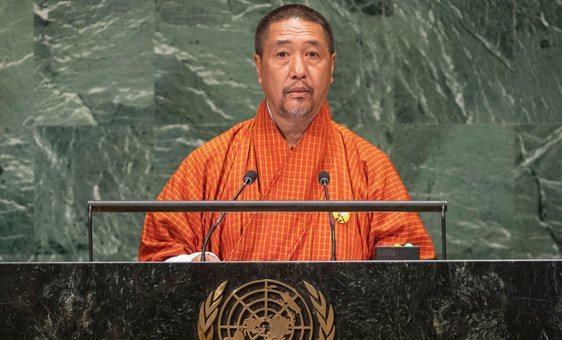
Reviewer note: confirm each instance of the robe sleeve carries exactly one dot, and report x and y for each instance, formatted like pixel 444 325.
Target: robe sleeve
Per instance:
pixel 390 228
pixel 166 234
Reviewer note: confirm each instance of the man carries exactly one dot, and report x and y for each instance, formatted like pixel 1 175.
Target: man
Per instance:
pixel 291 139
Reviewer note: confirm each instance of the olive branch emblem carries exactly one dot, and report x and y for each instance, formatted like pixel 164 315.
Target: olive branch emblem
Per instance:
pixel 208 313
pixel 324 313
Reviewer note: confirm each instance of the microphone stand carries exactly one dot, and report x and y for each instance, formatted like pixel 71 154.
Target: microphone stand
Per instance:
pixel 249 178
pixel 324 180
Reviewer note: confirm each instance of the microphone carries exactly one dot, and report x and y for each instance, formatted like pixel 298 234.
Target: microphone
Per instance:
pixel 249 178
pixel 324 179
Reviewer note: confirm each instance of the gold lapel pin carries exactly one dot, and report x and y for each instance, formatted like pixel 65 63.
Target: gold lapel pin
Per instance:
pixel 341 217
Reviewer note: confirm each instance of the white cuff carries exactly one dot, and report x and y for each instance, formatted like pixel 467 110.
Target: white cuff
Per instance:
pixel 188 258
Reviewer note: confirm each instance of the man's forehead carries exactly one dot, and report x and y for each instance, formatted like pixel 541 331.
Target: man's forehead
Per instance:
pixel 296 25
pixel 285 31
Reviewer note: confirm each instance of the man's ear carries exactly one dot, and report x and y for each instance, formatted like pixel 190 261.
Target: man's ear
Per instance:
pixel 333 65
pixel 257 61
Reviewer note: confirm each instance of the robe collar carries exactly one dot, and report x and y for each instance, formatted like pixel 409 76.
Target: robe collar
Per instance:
pixel 314 150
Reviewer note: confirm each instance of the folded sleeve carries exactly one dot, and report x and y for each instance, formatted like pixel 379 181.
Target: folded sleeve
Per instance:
pixel 166 234
pixel 389 228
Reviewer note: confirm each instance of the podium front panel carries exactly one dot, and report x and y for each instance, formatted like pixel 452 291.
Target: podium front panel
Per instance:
pixel 306 300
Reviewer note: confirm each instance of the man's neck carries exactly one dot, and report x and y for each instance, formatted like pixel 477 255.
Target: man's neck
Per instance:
pixel 291 128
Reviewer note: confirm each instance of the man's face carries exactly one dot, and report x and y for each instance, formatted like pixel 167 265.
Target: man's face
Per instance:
pixel 296 68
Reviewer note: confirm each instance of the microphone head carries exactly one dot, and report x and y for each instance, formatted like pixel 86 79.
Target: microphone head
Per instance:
pixel 250 177
pixel 323 177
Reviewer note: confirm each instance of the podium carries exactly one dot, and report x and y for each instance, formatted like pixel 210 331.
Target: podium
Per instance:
pixel 305 300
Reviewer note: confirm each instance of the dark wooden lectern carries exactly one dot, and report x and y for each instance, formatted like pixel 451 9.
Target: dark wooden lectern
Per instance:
pixel 341 300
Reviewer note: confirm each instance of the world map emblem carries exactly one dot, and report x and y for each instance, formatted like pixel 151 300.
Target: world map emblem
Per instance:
pixel 266 309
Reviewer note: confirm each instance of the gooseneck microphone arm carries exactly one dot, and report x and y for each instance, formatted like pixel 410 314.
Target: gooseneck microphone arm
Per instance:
pixel 324 179
pixel 249 178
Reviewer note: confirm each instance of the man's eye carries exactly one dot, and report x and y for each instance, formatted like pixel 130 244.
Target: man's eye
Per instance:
pixel 282 54
pixel 312 54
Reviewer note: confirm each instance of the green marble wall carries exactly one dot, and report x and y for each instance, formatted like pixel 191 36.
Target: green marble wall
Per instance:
pixel 103 99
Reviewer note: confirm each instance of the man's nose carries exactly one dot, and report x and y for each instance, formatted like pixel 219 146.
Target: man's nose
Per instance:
pixel 298 67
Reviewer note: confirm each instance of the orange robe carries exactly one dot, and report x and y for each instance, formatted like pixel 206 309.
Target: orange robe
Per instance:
pixel 358 171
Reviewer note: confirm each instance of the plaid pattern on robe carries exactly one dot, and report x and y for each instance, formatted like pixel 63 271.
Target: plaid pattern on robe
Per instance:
pixel 358 171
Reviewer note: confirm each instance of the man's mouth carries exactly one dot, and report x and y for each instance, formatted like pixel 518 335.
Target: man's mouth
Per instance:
pixel 298 90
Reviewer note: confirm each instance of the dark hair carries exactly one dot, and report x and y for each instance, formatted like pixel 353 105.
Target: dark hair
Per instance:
pixel 288 12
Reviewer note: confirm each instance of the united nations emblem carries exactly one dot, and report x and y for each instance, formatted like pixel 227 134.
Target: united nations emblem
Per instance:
pixel 265 309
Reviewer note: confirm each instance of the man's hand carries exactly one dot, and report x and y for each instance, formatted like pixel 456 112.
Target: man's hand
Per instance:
pixel 195 257
pixel 208 258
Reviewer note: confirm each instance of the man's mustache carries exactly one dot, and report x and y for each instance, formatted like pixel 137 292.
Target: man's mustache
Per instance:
pixel 298 88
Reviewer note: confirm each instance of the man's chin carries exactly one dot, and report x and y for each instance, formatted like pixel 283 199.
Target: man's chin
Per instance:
pixel 296 112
